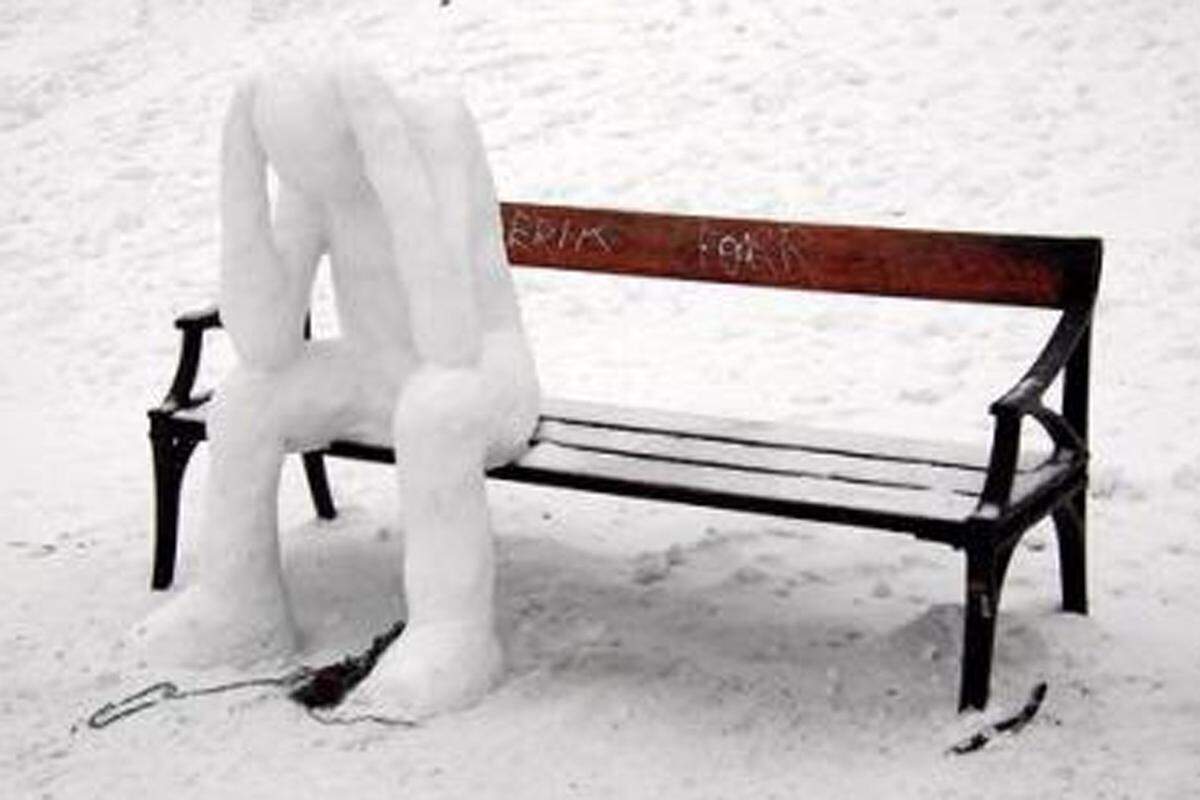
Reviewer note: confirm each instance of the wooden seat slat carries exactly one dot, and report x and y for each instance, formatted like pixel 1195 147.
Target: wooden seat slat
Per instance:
pixel 800 462
pixel 902 450
pixel 736 489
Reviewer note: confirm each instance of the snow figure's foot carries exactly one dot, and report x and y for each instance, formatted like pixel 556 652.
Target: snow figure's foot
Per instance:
pixel 429 670
pixel 204 628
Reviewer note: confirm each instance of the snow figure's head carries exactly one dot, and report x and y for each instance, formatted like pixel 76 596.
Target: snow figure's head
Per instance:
pixel 305 133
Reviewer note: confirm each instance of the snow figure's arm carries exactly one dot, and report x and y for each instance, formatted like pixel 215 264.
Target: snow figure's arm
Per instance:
pixel 264 286
pixel 436 275
pixel 449 139
pixel 300 240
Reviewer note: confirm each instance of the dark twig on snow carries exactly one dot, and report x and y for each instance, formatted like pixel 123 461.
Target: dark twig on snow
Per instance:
pixel 326 686
pixel 1009 725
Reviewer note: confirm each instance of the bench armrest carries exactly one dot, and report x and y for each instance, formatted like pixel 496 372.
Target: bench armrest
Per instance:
pixel 193 325
pixel 1025 399
pixel 1026 395
pixel 201 319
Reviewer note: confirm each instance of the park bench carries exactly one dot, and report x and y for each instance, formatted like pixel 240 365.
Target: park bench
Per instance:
pixel 978 501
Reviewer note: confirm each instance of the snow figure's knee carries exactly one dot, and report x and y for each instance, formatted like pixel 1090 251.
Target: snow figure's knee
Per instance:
pixel 243 412
pixel 513 395
pixel 443 410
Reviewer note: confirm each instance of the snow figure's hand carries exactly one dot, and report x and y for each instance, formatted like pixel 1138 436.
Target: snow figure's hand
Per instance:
pixel 262 304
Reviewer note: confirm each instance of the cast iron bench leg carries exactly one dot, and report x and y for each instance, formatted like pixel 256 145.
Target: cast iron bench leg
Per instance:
pixel 986 567
pixel 1070 523
pixel 318 485
pixel 170 453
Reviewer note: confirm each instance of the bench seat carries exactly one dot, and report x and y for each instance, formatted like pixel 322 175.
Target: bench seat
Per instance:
pixel 927 488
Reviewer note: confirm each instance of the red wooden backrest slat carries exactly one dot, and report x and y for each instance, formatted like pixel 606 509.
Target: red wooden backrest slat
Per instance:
pixel 980 267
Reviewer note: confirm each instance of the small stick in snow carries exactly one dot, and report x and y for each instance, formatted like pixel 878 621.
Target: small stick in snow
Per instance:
pixel 326 686
pixel 1010 725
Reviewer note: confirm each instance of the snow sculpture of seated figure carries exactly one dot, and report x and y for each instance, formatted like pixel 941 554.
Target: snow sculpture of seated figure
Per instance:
pixel 432 358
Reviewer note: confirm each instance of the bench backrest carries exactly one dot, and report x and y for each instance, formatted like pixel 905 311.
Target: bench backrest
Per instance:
pixel 979 267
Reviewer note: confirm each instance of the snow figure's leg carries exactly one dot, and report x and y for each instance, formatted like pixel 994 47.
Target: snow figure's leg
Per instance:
pixel 284 391
pixel 448 655
pixel 236 609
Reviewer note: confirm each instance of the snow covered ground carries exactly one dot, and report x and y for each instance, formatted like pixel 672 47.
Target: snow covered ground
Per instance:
pixel 654 650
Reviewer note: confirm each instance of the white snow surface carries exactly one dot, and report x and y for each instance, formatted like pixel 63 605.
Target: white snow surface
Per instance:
pixel 653 650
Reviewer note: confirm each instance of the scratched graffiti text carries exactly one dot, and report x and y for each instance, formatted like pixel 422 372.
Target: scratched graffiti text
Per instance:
pixel 772 253
pixel 527 231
